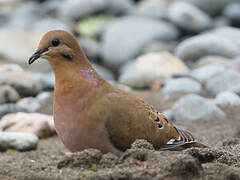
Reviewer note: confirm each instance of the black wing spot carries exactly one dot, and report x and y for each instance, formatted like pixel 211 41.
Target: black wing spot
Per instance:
pixel 160 126
pixel 157 120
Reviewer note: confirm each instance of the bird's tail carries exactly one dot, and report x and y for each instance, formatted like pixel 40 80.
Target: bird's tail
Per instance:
pixel 185 140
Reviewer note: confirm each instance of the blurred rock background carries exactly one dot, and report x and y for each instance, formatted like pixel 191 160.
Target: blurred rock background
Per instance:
pixel 189 49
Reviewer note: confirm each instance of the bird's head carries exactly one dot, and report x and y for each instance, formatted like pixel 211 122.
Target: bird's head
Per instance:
pixel 56 45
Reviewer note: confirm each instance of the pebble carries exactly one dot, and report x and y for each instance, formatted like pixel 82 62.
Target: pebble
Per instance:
pixel 207 72
pixel 194 107
pixel 8 94
pixel 188 17
pixel 18 141
pixel 150 67
pixel 226 81
pixel 34 123
pixel 227 98
pixel 121 44
pixel 10 108
pixel 202 45
pixel 29 103
pixel 185 85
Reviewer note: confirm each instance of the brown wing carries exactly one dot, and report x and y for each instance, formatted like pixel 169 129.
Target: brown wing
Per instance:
pixel 130 118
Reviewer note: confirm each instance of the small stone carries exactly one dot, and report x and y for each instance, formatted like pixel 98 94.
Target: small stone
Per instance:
pixel 29 103
pixel 71 10
pixel 150 67
pixel 206 72
pixel 8 94
pixel 43 96
pixel 91 47
pixel 121 44
pixel 227 98
pixel 142 144
pixel 207 60
pixel 232 12
pixel 211 7
pixel 18 141
pixel 223 82
pixel 10 108
pixel 39 124
pixel 185 85
pixel 194 107
pixel 188 17
pixel 26 83
pixel 202 45
pixel 104 72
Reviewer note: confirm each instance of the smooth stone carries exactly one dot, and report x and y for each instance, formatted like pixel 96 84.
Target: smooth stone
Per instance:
pixel 208 60
pixel 185 85
pixel 47 80
pixel 220 22
pixel 8 94
pixel 227 98
pixel 223 82
pixel 26 83
pixel 202 45
pixel 194 107
pixel 43 96
pixel 212 7
pixel 118 7
pixel 18 141
pixel 121 44
pixel 150 67
pixel 188 17
pixel 103 72
pixel 232 12
pixel 71 10
pixel 91 47
pixel 29 103
pixel 229 33
pixel 206 72
pixel 34 123
pixel 10 108
pixel 151 8
pixel 19 43
pixel 159 46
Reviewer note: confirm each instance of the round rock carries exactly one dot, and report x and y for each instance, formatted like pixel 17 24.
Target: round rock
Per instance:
pixel 199 46
pixel 185 85
pixel 10 108
pixel 194 107
pixel 223 82
pixel 18 141
pixel 8 94
pixel 125 37
pixel 29 103
pixel 188 17
pixel 232 12
pixel 150 67
pixel 206 72
pixel 212 7
pixel 227 98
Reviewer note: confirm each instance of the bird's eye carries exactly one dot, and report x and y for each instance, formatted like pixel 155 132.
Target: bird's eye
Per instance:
pixel 55 42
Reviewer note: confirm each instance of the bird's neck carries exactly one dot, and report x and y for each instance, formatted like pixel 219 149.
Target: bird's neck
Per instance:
pixel 75 80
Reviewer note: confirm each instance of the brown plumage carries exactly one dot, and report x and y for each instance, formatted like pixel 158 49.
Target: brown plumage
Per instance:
pixel 91 113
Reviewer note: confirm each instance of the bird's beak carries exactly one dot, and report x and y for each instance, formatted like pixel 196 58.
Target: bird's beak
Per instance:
pixel 36 55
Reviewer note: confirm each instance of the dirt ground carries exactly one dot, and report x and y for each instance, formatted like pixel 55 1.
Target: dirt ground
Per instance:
pixel 220 161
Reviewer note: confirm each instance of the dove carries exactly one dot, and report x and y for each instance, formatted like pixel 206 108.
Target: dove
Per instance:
pixel 89 112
